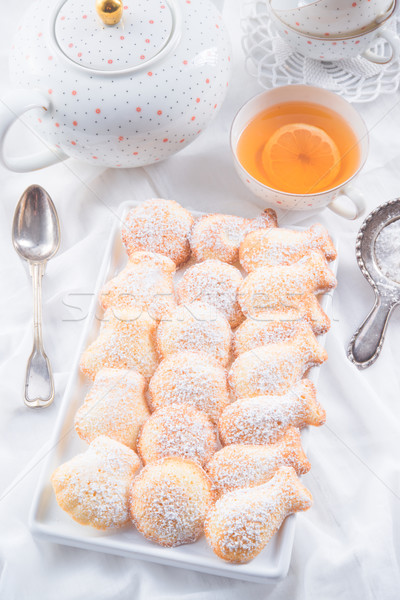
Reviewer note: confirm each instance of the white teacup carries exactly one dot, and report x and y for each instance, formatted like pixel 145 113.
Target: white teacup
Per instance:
pixel 330 48
pixel 332 17
pixel 350 207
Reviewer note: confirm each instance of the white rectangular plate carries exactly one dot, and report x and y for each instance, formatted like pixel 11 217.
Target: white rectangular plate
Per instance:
pixel 48 521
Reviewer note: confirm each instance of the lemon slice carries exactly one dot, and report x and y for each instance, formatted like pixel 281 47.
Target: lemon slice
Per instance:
pixel 301 159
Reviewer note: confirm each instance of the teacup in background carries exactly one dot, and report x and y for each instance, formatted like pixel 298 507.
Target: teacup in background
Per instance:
pixel 339 48
pixel 332 17
pixel 354 205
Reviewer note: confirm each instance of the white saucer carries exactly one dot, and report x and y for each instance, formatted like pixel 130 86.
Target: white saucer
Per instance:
pixel 274 63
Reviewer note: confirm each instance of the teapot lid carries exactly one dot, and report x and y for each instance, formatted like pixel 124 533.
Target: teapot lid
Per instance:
pixel 146 29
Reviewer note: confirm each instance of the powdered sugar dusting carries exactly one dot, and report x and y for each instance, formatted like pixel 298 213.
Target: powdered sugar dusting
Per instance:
pixel 243 521
pixel 387 250
pixel 274 327
pixel 115 406
pixel 264 419
pixel 178 430
pixel 198 327
pixel 274 368
pixel 126 340
pixel 161 226
pixel 145 283
pixel 216 283
pixel 189 391
pixel 170 500
pixel 271 285
pixel 219 236
pixel 193 378
pixel 94 487
pixel 241 466
pixel 266 248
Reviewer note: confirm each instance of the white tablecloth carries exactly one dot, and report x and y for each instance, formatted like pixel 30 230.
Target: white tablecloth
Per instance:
pixel 348 545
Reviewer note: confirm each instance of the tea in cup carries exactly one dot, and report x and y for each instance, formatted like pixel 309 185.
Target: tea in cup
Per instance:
pixel 299 148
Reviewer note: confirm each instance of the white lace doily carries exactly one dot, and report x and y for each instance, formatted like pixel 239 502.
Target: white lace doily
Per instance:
pixel 274 63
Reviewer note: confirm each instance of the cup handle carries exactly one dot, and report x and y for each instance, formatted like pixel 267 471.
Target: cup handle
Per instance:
pixel 357 200
pixel 394 44
pixel 13 106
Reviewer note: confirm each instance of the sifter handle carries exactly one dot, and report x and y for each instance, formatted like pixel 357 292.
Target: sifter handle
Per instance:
pixel 367 342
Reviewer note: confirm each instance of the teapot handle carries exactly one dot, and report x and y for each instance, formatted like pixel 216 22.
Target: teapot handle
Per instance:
pixel 13 106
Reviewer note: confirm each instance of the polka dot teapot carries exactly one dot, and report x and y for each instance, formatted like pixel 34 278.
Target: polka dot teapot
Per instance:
pixel 115 84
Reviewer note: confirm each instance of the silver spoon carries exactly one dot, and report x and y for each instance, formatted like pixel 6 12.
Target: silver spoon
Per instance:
pixel 36 238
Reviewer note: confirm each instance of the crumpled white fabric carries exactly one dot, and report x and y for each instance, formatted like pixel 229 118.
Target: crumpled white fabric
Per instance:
pixel 348 545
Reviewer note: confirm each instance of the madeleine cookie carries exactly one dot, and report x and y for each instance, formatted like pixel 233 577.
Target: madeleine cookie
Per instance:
pixel 272 247
pixel 197 327
pixel 216 283
pixel 115 406
pixel 274 368
pixel 126 341
pixel 169 501
pixel 177 430
pixel 265 419
pixel 161 226
pixel 93 487
pixel 145 283
pixel 219 236
pixel 242 522
pixel 246 465
pixel 193 378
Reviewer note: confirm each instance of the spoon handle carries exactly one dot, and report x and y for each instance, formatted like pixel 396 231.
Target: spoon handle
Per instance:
pixel 39 384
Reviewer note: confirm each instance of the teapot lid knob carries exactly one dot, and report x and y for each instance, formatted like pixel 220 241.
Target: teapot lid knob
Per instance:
pixel 110 11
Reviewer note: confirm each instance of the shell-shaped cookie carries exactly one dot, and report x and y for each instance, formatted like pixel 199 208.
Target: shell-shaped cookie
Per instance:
pixel 126 341
pixel 219 236
pixel 145 283
pixel 193 378
pixel 93 487
pixel 197 327
pixel 216 283
pixel 115 406
pixel 161 226
pixel 177 430
pixel 170 500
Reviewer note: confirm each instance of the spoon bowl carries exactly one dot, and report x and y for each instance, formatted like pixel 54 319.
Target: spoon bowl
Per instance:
pixel 36 229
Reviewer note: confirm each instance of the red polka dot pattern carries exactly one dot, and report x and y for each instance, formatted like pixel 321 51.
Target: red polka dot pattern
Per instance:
pixel 109 53
pixel 123 118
